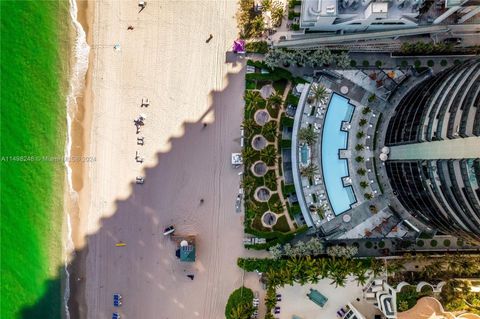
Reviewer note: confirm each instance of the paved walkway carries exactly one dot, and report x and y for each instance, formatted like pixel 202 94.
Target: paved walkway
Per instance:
pixel 278 168
pixel 458 148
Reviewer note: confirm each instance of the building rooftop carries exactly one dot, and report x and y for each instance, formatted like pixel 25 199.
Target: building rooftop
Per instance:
pixel 344 10
pixel 468 147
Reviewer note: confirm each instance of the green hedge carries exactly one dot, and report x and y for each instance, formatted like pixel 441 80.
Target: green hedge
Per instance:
pixel 285 121
pixel 242 297
pixel 282 225
pixel 280 86
pixel 286 144
pixel 292 100
pixel 257 47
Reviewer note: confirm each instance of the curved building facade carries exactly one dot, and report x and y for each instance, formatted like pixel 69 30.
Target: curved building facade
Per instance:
pixel 434 165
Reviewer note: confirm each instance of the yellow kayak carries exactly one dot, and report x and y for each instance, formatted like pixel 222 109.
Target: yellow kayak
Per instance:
pixel 120 244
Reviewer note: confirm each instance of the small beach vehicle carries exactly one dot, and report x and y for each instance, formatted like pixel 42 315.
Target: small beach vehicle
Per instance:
pixel 115 315
pixel 238 203
pixel 169 230
pixel 139 180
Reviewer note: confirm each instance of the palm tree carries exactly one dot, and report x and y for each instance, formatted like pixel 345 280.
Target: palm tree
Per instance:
pixel 321 265
pixel 319 93
pixel 376 266
pixel 359 159
pixel 248 183
pixel 363 184
pixel 270 298
pixel 252 98
pixel 359 147
pixel 267 5
pixel 394 266
pixel 361 277
pixel 360 134
pixel 360 272
pixel 269 155
pixel 307 135
pixel 277 15
pixel 249 126
pixel 366 110
pixel 362 122
pixel 269 130
pixel 275 100
pixel 242 311
pixel 368 196
pixel 338 272
pixel 309 171
pixel 361 171
pixel 270 179
pixel 248 154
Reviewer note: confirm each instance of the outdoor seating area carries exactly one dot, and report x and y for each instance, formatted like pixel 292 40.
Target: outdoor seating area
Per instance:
pixel 317 301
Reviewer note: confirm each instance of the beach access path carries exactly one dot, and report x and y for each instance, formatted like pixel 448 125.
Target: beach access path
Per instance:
pixel 164 58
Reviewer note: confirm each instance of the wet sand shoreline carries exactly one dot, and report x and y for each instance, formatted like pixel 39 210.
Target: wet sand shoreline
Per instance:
pixel 81 125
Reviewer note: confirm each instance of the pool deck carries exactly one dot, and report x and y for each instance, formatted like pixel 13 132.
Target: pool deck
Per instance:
pixel 297 178
pixel 296 303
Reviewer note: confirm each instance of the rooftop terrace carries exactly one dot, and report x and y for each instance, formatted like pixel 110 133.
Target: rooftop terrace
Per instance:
pixel 312 10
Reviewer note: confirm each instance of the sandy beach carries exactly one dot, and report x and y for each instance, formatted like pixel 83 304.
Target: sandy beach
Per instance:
pixel 164 58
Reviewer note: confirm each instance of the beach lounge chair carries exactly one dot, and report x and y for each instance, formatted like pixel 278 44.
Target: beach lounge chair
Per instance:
pixel 115 315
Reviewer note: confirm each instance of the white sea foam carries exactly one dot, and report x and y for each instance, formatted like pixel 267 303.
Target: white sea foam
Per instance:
pixel 76 85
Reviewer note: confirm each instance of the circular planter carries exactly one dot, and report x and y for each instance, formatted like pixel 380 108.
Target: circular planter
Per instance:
pixel 368 244
pixel 259 142
pixel 262 117
pixel 259 168
pixel 269 219
pixel 262 194
pixel 446 243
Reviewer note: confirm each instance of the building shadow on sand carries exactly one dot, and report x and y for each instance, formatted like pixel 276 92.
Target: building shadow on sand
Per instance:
pixel 140 219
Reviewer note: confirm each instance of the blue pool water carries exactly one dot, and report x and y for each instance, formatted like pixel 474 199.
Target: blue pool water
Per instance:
pixel 304 154
pixel 333 140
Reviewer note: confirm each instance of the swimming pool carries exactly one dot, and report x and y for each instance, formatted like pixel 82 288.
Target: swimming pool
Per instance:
pixel 304 156
pixel 334 140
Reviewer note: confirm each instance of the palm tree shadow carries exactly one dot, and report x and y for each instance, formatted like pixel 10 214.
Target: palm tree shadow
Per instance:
pixel 150 213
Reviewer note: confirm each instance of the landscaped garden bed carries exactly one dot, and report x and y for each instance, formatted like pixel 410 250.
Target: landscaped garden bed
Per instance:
pixel 263 119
